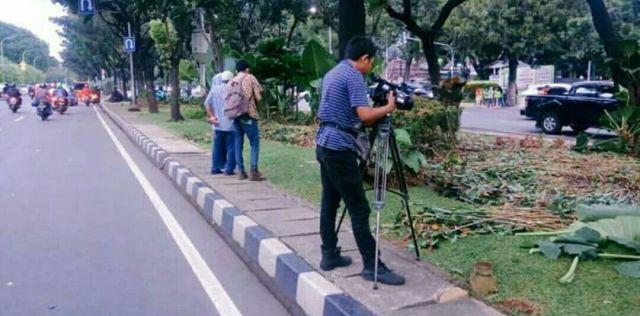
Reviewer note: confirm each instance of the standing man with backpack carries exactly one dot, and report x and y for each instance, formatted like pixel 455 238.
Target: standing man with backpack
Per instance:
pixel 243 94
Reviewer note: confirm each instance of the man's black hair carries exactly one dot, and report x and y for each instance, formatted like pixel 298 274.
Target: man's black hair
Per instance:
pixel 358 47
pixel 241 65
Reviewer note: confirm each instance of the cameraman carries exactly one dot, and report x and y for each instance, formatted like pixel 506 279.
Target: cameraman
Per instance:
pixel 344 108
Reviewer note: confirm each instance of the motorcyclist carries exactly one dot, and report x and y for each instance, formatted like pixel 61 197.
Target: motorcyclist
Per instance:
pixel 116 96
pixel 60 92
pixel 13 91
pixel 41 96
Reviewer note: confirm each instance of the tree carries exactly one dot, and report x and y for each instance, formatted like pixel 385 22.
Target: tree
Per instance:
pixel 20 40
pixel 117 15
pixel 426 34
pixel 623 57
pixel 351 17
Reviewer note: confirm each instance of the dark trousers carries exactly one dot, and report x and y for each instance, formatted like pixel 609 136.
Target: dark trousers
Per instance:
pixel 247 126
pixel 342 180
pixel 224 156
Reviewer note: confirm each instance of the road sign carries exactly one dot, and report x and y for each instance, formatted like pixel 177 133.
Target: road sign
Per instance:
pixel 200 48
pixel 86 7
pixel 129 44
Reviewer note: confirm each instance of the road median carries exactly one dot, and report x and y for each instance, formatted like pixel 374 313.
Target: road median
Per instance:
pixel 276 233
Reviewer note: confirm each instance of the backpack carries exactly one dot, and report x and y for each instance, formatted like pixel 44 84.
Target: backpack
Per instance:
pixel 236 103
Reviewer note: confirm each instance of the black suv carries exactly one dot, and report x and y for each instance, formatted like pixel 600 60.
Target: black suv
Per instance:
pixel 582 107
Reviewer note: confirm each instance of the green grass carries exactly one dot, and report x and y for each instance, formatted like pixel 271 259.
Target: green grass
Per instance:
pixel 596 290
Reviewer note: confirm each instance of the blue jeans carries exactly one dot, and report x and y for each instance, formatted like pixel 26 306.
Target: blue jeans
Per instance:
pixel 249 127
pixel 223 156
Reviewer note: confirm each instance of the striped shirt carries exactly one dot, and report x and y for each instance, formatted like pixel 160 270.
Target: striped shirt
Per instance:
pixel 343 90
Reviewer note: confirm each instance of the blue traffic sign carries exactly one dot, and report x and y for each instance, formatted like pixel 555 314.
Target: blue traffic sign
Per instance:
pixel 86 7
pixel 129 44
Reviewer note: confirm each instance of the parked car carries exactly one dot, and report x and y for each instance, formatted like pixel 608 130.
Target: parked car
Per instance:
pixel 581 108
pixel 422 90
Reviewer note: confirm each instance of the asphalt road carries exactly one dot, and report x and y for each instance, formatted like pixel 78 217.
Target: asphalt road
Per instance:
pixel 80 235
pixel 509 120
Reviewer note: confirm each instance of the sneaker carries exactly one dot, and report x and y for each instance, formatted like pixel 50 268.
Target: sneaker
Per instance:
pixel 385 275
pixel 227 173
pixel 256 176
pixel 242 176
pixel 332 259
pixel 216 171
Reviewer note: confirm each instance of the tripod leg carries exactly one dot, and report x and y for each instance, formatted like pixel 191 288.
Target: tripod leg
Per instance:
pixel 344 213
pixel 377 255
pixel 399 171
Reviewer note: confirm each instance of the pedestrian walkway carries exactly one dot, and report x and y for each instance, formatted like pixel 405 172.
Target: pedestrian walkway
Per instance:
pixel 295 223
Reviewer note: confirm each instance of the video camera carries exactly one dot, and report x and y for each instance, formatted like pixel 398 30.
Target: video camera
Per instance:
pixel 379 93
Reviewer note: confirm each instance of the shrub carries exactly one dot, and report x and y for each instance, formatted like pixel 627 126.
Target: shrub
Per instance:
pixel 430 125
pixel 194 112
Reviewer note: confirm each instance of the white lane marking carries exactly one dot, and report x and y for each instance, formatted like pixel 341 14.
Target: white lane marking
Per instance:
pixel 20 118
pixel 218 296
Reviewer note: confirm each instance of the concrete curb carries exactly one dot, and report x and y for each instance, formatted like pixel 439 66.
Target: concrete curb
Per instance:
pixel 292 277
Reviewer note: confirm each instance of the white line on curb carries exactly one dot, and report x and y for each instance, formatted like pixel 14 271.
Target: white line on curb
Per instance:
pixel 20 118
pixel 208 280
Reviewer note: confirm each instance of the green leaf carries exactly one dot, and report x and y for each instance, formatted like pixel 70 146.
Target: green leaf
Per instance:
pixel 549 249
pixel 588 213
pixel 316 60
pixel 588 234
pixel 626 243
pixel 413 159
pixel 630 269
pixel 403 138
pixel 621 227
pixel 583 251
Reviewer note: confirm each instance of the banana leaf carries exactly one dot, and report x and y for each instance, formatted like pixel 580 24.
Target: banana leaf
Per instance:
pixel 587 213
pixel 623 230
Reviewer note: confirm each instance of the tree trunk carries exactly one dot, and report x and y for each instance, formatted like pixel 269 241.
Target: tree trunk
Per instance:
pixel 429 50
pixel 512 91
pixel 152 103
pixel 174 80
pixel 125 82
pixel 407 69
pixel 611 43
pixel 351 22
pixel 292 30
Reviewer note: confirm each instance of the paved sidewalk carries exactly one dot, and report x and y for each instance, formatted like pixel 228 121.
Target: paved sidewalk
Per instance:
pixel 295 223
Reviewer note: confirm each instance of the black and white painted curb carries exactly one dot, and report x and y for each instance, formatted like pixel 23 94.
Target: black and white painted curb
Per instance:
pixel 293 277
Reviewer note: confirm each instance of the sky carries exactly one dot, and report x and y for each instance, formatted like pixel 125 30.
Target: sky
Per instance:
pixel 34 15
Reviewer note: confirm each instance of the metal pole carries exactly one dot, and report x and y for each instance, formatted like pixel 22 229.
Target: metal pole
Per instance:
pixel 589 71
pixel 133 77
pixel 2 46
pixel 330 41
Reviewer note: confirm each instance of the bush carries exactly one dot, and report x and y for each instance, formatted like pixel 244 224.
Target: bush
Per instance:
pixel 430 125
pixel 194 112
pixel 292 134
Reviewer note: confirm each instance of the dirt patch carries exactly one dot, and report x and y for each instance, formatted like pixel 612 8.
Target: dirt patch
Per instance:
pixel 519 306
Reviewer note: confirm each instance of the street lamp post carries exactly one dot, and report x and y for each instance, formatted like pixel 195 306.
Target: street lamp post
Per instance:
pixel 453 56
pixel 449 47
pixel 2 45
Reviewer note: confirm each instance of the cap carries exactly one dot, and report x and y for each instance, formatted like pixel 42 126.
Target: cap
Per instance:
pixel 226 76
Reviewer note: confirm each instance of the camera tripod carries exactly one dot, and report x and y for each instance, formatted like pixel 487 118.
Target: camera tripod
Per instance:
pixel 384 133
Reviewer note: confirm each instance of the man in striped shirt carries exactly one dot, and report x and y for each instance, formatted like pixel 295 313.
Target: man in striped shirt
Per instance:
pixel 344 107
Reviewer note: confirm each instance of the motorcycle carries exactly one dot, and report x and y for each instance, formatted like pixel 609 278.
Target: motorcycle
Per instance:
pixel 44 110
pixel 14 103
pixel 93 98
pixel 60 104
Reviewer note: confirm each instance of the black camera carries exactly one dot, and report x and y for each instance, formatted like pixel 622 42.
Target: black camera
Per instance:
pixel 381 89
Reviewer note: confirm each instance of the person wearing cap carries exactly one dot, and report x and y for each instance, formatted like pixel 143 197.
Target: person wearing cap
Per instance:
pixel 223 155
